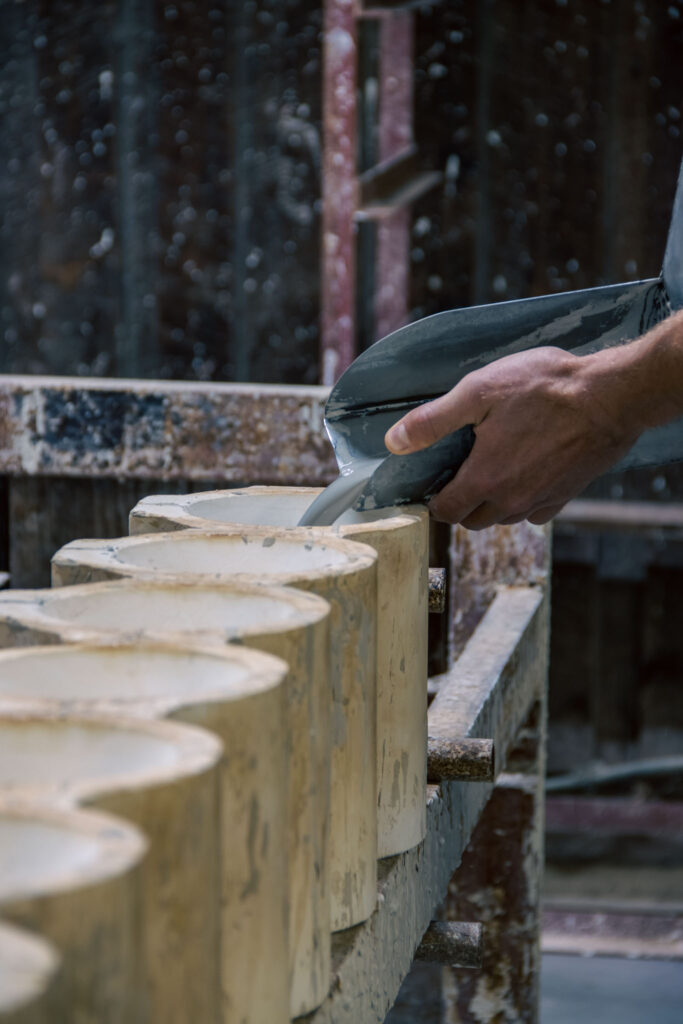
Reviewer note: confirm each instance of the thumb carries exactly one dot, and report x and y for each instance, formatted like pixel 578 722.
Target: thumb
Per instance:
pixel 428 423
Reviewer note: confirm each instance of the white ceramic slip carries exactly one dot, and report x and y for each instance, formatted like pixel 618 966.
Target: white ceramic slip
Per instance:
pixel 163 777
pixel 282 621
pixel 74 878
pixel 28 965
pixel 238 695
pixel 400 536
pixel 342 572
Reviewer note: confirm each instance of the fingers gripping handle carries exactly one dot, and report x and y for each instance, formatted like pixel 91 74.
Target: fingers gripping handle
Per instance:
pixel 406 479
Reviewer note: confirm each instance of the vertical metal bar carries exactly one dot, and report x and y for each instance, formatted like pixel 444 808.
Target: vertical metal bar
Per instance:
pixel 482 265
pixel 340 188
pixel 392 276
pixel 396 85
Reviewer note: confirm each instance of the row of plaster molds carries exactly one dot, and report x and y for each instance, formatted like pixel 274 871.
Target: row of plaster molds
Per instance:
pixel 28 971
pixel 400 536
pixel 221 824
pixel 74 877
pixel 285 622
pixel 163 778
pixel 344 574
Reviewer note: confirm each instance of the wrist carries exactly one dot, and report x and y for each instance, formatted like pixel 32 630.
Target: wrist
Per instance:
pixel 641 383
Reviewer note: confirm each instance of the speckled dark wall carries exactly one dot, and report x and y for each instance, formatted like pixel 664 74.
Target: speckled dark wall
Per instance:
pixel 160 180
pixel 559 125
pixel 159 188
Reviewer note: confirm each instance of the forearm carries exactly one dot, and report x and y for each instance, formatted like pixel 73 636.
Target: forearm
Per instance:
pixel 644 379
pixel 546 423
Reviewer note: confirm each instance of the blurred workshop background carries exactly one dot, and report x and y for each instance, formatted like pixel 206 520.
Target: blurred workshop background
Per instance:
pixel 198 191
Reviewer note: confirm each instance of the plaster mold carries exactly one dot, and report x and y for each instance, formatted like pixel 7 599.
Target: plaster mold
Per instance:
pixel 163 777
pixel 28 965
pixel 400 536
pixel 342 572
pixel 239 696
pixel 282 621
pixel 74 878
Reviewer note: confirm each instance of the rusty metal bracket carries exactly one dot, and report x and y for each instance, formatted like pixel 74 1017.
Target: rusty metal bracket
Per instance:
pixel 437 590
pixel 393 184
pixel 452 944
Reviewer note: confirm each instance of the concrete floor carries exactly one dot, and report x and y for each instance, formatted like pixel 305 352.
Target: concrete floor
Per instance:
pixel 605 990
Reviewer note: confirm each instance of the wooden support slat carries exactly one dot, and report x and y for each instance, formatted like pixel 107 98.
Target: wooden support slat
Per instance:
pixel 459 708
pixel 497 679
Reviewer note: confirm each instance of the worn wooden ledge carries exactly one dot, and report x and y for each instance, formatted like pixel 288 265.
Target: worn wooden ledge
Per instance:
pixel 488 693
pixel 629 516
pixel 138 429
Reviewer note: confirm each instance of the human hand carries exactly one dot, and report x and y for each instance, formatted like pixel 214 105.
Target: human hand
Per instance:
pixel 546 423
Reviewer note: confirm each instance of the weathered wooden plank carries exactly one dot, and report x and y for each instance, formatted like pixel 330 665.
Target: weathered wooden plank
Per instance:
pixel 153 429
pixel 499 675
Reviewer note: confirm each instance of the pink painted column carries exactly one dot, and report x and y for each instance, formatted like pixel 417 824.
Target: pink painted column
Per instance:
pixel 340 188
pixel 392 272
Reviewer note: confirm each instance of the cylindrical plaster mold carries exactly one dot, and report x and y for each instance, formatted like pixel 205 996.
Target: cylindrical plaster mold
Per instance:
pixel 74 878
pixel 163 777
pixel 400 536
pixel 239 696
pixel 28 969
pixel 342 572
pixel 279 620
